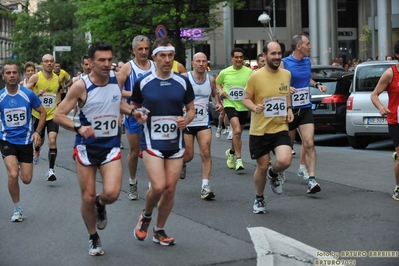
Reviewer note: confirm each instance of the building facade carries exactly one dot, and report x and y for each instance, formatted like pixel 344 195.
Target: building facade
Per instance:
pixel 334 28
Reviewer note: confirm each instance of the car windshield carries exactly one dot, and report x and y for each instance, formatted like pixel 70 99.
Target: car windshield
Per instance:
pixel 367 77
pixel 331 86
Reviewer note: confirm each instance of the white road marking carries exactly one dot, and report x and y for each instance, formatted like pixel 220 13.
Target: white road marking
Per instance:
pixel 273 248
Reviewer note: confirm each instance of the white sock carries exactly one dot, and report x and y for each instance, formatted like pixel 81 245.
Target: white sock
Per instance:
pixel 156 228
pixel 205 182
pixel 132 181
pixel 396 187
pixel 302 166
pixel 16 206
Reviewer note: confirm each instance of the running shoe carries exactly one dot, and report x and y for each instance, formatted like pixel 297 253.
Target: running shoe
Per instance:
pixel 133 193
pixel 121 146
pixel 230 159
pixel 259 206
pixel 183 171
pixel 162 238
pixel 206 193
pixel 230 135
pixel 95 248
pixel 141 229
pixel 293 152
pixel 18 215
pixel 303 173
pixel 239 165
pixel 50 175
pixel 394 157
pixel 395 194
pixel 313 187
pixel 101 219
pixel 36 157
pixel 218 132
pixel 281 178
pixel 275 184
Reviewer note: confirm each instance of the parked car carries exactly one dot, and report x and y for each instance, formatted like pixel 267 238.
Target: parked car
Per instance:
pixel 329 108
pixel 363 121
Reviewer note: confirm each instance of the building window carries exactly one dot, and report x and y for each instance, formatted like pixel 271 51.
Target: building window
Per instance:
pixel 248 15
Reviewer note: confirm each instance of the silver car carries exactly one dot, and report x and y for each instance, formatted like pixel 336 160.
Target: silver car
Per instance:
pixel 363 121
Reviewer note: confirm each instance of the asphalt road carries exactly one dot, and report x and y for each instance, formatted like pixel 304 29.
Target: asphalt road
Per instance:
pixel 353 212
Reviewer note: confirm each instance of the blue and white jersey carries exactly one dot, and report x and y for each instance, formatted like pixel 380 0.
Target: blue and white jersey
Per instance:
pixel 300 80
pixel 202 92
pixel 164 99
pixel 101 110
pixel 16 115
pixel 135 73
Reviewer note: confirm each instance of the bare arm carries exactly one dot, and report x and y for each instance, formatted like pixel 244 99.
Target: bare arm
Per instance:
pixel 36 138
pixel 32 82
pixel 181 68
pixel 75 95
pixel 215 95
pixel 382 85
pixel 121 76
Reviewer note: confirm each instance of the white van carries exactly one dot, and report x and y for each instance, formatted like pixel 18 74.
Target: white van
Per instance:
pixel 363 121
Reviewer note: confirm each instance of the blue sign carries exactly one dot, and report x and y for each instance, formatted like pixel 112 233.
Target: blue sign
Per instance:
pixel 160 32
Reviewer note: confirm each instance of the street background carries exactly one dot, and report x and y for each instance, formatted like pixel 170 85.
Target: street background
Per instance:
pixel 353 212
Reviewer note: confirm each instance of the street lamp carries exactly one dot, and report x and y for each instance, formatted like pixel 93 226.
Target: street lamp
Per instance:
pixel 265 19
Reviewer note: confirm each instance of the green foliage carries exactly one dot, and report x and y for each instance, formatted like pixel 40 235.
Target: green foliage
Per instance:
pixel 365 38
pixel 118 21
pixel 53 24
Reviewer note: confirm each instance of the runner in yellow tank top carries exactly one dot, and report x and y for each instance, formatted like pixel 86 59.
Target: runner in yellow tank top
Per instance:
pixel 178 67
pixel 46 85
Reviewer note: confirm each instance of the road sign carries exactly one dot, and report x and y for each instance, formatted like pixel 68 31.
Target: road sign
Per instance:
pixel 62 48
pixel 160 32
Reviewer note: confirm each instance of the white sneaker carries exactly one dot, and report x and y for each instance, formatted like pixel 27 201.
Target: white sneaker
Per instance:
pixel 259 206
pixel 36 157
pixel 95 248
pixel 303 173
pixel 50 175
pixel 230 136
pixel 218 131
pixel 281 177
pixel 18 216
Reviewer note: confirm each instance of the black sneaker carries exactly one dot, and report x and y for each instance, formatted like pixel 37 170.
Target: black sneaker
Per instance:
pixel 101 215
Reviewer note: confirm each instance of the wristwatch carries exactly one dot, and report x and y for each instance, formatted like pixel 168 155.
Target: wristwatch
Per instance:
pixel 76 126
pixel 316 85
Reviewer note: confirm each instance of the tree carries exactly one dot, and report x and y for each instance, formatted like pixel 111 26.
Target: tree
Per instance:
pixel 53 24
pixel 118 21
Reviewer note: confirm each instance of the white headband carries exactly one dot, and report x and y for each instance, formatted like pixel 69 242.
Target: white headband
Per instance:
pixel 163 49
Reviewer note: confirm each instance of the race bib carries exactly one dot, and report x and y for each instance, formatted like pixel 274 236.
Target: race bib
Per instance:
pixel 48 100
pixel 275 106
pixel 301 97
pixel 236 94
pixel 201 112
pixel 163 127
pixel 15 117
pixel 105 125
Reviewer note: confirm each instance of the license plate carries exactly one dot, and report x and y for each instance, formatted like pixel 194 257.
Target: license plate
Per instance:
pixel 376 120
pixel 313 106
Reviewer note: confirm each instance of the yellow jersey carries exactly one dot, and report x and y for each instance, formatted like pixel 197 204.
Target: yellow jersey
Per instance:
pixel 50 96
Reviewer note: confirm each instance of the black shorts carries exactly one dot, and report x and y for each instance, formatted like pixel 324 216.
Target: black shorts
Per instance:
pixel 242 115
pixel 50 125
pixel 394 133
pixel 302 116
pixel 259 146
pixel 94 155
pixel 22 152
pixel 63 94
pixel 194 130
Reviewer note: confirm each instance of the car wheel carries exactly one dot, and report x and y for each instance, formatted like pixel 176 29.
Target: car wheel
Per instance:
pixel 358 142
